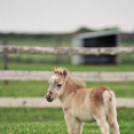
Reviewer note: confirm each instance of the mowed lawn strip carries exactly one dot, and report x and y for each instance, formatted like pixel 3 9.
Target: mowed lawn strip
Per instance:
pixel 39 88
pixel 51 121
pixel 126 127
pixel 122 67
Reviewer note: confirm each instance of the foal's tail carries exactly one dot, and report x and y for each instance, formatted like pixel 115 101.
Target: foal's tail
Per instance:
pixel 110 110
pixel 109 104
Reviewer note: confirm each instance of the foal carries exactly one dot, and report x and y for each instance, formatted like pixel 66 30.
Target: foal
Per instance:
pixel 82 105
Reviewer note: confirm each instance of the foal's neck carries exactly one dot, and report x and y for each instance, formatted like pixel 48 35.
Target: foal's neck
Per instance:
pixel 70 86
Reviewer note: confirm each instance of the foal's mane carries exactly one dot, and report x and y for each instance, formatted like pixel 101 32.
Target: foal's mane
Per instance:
pixel 71 80
pixel 77 82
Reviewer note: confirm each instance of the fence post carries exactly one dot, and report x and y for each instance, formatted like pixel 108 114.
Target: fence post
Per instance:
pixel 5 59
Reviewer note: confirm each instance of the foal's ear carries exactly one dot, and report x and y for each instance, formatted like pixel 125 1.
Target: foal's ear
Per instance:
pixel 54 69
pixel 65 72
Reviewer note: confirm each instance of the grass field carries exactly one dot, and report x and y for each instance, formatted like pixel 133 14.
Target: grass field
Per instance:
pixel 51 121
pixel 39 88
pixel 30 41
pixel 123 67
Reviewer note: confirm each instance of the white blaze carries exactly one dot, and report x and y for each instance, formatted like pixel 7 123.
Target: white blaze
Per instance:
pixel 53 78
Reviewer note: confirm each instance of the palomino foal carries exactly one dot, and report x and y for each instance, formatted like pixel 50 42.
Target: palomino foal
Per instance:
pixel 81 105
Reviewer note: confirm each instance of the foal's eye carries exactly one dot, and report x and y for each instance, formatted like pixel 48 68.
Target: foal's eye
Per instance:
pixel 59 85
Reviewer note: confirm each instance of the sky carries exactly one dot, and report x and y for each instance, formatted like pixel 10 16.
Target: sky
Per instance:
pixel 41 16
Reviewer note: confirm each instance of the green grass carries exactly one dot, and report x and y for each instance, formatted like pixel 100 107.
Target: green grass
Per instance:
pixel 47 120
pixel 51 42
pixel 30 114
pixel 42 63
pixel 51 121
pixel 36 58
pixel 56 128
pixel 39 88
pixel 49 67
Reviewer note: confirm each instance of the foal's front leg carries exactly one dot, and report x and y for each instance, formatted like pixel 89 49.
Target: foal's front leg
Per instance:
pixel 74 126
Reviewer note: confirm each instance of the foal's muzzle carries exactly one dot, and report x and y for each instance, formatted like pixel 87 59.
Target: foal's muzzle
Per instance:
pixel 49 96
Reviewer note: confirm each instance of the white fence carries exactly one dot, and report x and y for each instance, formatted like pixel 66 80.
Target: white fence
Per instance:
pixel 66 50
pixel 41 102
pixel 86 76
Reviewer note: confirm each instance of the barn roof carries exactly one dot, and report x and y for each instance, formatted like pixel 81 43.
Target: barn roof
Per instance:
pixel 96 34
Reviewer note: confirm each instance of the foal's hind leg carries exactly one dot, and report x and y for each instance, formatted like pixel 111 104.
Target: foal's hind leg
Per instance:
pixel 103 125
pixel 113 122
pixel 110 107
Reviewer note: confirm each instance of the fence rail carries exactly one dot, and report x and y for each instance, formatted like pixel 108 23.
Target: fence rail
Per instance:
pixel 66 50
pixel 44 75
pixel 42 103
pixel 86 76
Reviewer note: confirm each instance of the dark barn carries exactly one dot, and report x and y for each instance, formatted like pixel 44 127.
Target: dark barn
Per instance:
pixel 96 39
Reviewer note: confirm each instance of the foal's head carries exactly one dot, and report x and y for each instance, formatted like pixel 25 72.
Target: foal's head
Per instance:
pixel 56 84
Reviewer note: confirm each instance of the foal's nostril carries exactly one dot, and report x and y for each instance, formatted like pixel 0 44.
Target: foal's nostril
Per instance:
pixel 50 93
pixel 49 96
